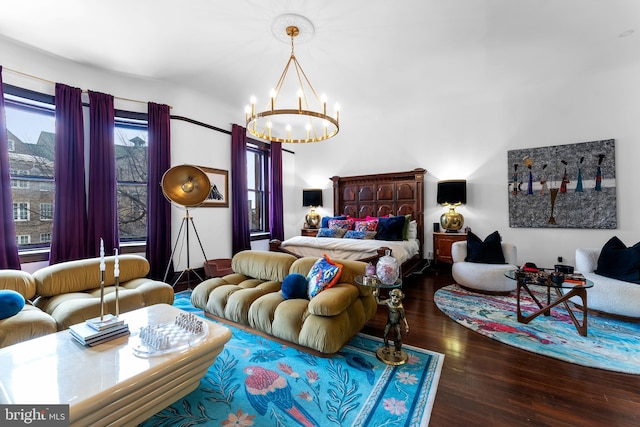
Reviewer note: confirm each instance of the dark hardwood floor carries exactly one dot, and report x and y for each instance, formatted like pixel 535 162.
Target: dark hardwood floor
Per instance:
pixel 486 383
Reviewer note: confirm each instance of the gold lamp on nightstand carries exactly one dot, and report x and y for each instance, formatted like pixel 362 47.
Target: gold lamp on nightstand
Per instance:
pixel 452 193
pixel 312 197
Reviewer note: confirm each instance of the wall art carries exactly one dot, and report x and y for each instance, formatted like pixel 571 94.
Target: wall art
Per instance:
pixel 563 186
pixel 219 194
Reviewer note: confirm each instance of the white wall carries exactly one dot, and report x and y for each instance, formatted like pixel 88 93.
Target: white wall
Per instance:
pixel 467 136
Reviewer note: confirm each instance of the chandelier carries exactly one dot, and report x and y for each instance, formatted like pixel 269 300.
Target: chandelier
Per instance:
pixel 294 113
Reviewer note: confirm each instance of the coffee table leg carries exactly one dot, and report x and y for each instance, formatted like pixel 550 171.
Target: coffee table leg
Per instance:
pixel 581 293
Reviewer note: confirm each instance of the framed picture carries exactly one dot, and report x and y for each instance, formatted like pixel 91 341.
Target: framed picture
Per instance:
pixel 219 195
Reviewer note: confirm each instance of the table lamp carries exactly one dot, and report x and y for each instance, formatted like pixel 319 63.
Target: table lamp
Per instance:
pixel 312 197
pixel 452 193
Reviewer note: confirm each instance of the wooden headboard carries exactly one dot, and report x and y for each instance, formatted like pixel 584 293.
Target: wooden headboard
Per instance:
pixel 398 193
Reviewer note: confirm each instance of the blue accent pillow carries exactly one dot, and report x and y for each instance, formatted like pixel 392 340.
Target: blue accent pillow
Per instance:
pixel 488 251
pixel 294 286
pixel 324 223
pixel 323 275
pixel 11 302
pixel 331 232
pixel 353 234
pixel 390 228
pixel 618 261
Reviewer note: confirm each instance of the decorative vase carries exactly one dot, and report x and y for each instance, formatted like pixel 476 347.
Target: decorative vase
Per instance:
pixel 370 270
pixel 387 269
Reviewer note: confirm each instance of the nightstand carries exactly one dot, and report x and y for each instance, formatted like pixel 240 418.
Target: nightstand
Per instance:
pixel 309 232
pixel 442 245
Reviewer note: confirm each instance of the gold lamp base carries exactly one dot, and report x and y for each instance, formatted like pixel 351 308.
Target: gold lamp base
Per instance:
pixel 312 219
pixel 451 221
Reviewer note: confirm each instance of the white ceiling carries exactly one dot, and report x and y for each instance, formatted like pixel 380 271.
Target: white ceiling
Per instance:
pixel 388 53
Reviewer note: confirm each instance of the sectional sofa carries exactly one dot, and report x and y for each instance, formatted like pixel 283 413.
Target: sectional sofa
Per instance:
pixel 252 297
pixel 60 295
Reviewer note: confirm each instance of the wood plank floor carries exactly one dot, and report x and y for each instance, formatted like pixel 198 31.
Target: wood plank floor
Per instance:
pixel 486 383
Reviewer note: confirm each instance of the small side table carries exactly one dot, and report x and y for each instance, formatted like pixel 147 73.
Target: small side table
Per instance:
pixel 309 232
pixel 395 356
pixel 442 245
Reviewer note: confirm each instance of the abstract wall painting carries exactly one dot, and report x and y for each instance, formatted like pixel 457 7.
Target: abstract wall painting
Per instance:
pixel 563 186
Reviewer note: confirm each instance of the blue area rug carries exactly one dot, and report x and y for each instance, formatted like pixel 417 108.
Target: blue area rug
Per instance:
pixel 611 344
pixel 259 382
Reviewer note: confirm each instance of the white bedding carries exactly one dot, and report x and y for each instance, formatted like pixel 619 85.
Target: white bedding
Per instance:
pixel 353 249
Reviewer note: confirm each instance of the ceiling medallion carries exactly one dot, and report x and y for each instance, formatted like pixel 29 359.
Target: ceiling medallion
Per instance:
pixel 294 113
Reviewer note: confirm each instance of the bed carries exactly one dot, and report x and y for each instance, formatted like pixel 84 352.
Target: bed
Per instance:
pixel 376 195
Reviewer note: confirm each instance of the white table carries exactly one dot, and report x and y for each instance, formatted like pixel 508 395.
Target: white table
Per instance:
pixel 107 384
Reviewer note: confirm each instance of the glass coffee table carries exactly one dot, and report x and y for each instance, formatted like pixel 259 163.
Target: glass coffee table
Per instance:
pixel 542 278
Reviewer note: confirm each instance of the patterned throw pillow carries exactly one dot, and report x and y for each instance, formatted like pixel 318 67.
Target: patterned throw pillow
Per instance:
pixel 323 275
pixel 370 225
pixel 331 232
pixel 325 220
pixel 355 234
pixel 345 224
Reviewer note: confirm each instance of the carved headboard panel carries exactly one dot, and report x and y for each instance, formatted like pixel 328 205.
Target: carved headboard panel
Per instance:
pixel 398 193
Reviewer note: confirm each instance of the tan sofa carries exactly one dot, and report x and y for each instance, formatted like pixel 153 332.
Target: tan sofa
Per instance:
pixel 30 322
pixel 70 291
pixel 251 296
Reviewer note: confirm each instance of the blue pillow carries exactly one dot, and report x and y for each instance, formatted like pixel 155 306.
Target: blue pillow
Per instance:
pixel 353 234
pixel 294 286
pixel 323 275
pixel 488 251
pixel 331 232
pixel 325 220
pixel 618 261
pixel 390 228
pixel 11 302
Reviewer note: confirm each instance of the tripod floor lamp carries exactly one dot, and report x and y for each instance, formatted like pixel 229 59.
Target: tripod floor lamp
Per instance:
pixel 187 187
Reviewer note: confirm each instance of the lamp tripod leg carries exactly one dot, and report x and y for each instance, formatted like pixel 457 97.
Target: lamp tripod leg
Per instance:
pixel 188 270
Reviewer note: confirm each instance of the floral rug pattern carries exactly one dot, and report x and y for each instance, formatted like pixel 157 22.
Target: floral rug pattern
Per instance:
pixel 258 382
pixel 610 344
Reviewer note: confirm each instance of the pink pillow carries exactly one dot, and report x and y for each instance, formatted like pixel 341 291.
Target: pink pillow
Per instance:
pixel 367 225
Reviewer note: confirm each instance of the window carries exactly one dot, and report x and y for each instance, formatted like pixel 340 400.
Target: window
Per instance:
pixel 131 150
pixel 23 239
pixel 30 128
pixel 46 212
pixel 258 185
pixel 21 212
pixel 31 131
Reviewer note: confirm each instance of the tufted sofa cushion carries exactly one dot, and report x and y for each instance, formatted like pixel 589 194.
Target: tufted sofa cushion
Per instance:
pixel 70 291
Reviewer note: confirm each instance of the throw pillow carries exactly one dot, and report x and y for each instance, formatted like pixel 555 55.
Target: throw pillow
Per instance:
pixel 324 223
pixel 390 228
pixel 294 286
pixel 331 232
pixel 488 251
pixel 340 223
pixel 11 302
pixel 365 225
pixel 355 234
pixel 618 261
pixel 323 275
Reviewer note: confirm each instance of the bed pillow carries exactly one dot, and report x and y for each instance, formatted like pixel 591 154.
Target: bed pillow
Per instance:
pixel 366 225
pixel 355 234
pixel 331 232
pixel 323 275
pixel 345 224
pixel 390 228
pixel 488 251
pixel 324 223
pixel 618 261
pixel 11 302
pixel 412 234
pixel 295 286
pixel 405 229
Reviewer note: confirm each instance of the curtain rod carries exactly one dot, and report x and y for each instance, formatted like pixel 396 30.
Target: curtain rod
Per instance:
pixel 31 76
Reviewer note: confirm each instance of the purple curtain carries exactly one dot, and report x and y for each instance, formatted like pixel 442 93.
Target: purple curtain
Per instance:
pixel 69 234
pixel 103 204
pixel 158 208
pixel 276 220
pixel 9 258
pixel 241 234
